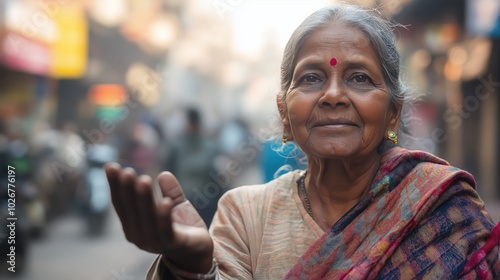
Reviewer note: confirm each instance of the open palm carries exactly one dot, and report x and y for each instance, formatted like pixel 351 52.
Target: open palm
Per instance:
pixel 169 225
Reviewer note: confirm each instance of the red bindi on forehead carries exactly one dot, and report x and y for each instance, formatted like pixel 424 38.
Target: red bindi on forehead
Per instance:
pixel 333 61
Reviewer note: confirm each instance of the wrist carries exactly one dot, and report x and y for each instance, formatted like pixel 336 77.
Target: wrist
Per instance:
pixel 197 260
pixel 192 264
pixel 192 272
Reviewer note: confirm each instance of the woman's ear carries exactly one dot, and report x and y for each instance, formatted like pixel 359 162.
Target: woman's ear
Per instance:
pixel 280 101
pixel 394 117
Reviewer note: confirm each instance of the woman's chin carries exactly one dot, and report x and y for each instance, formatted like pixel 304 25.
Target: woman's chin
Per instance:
pixel 333 152
pixel 338 147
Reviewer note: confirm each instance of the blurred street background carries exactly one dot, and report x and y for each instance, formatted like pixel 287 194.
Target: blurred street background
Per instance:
pixel 190 86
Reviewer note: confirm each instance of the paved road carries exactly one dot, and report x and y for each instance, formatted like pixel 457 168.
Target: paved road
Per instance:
pixel 67 253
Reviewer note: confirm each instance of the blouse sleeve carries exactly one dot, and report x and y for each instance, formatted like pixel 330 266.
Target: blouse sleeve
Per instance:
pixel 231 243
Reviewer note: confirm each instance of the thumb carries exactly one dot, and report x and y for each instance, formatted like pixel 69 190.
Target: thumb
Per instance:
pixel 171 188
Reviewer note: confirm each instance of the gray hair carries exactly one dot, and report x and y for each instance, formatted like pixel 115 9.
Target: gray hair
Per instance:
pixel 378 30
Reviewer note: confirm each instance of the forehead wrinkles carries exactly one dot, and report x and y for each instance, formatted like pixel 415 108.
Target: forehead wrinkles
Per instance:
pixel 341 34
pixel 340 40
pixel 336 38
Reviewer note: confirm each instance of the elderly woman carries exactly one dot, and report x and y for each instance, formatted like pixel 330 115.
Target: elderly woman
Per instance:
pixel 362 209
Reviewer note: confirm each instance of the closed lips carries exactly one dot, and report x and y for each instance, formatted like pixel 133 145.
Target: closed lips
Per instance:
pixel 339 121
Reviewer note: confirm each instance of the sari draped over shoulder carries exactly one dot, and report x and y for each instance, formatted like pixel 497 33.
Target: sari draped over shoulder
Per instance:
pixel 421 219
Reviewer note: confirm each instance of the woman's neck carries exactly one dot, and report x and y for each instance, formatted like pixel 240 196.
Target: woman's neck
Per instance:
pixel 335 186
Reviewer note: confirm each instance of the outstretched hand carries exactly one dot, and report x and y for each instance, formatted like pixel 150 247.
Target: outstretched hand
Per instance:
pixel 170 226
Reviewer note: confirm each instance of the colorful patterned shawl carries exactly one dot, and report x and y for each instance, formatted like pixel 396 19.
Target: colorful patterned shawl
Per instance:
pixel 421 219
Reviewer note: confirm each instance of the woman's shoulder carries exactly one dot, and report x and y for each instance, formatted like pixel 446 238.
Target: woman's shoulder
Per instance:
pixel 281 186
pixel 252 205
pixel 420 165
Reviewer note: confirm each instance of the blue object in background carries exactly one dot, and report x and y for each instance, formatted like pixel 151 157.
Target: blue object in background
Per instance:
pixel 277 160
pixel 483 17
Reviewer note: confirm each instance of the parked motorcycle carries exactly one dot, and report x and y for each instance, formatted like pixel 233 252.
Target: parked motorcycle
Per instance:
pixel 94 194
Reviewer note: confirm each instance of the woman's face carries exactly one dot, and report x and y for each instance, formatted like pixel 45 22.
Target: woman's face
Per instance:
pixel 338 104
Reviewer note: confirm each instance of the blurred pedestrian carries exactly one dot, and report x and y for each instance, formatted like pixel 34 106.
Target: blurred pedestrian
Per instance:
pixel 192 158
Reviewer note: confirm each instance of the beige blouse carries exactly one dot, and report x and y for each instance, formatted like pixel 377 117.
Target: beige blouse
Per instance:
pixel 260 231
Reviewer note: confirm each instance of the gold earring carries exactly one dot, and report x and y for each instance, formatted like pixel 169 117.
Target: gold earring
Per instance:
pixel 284 139
pixel 392 136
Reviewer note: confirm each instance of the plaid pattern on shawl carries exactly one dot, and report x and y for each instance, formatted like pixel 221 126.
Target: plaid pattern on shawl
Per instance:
pixel 422 219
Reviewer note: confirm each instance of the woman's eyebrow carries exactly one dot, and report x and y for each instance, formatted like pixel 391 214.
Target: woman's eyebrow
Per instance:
pixel 314 62
pixel 309 64
pixel 359 63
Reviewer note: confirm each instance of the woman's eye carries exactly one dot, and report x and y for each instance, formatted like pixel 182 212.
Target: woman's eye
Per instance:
pixel 360 79
pixel 310 79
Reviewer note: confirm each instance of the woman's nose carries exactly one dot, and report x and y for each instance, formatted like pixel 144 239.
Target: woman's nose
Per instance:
pixel 334 94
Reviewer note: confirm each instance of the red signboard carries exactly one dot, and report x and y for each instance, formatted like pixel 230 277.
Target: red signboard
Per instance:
pixel 25 55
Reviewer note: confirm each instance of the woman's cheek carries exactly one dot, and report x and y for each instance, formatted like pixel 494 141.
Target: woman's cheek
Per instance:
pixel 298 112
pixel 293 102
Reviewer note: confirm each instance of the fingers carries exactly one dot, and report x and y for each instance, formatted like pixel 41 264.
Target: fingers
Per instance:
pixel 146 210
pixel 113 174
pixel 147 224
pixel 164 218
pixel 128 198
pixel 171 188
pixel 121 184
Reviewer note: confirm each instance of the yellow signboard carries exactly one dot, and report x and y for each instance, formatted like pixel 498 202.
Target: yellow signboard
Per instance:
pixel 59 27
pixel 69 50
